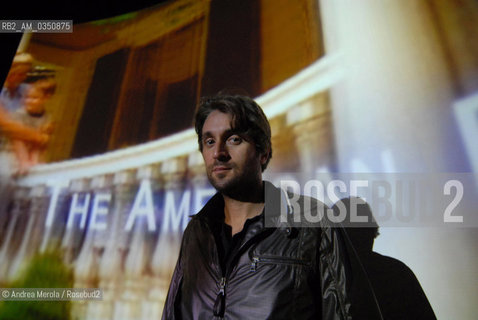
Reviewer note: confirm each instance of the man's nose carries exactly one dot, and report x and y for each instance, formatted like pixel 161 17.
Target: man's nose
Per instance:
pixel 220 152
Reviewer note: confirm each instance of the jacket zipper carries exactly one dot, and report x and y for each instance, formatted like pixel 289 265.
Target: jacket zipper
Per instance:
pixel 220 303
pixel 276 260
pixel 222 285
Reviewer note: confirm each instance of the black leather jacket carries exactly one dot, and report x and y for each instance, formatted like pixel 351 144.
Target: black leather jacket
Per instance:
pixel 277 273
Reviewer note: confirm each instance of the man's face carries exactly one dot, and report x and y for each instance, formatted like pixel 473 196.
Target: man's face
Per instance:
pixel 232 162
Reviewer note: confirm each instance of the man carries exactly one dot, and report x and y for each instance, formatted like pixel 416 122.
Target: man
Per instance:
pixel 230 265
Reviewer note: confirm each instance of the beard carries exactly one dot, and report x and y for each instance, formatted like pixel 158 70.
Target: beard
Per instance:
pixel 235 183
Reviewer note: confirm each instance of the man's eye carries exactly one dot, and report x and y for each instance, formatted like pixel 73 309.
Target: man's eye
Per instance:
pixel 208 142
pixel 234 140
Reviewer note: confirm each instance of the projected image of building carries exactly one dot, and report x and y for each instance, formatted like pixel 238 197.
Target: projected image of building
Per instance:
pixel 347 86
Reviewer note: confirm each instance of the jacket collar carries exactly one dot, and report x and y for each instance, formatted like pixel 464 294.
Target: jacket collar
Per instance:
pixel 275 203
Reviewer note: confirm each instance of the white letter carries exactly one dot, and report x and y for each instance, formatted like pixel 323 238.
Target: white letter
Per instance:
pixel 75 209
pixel 53 201
pixel 333 197
pixel 97 210
pixel 145 196
pixel 176 216
pixel 354 218
pixel 447 217
pixel 200 194
pixel 291 202
pixel 354 185
pixel 320 195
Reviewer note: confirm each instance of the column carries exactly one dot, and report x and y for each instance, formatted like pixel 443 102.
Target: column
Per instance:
pixel 111 265
pixel 78 241
pixel 392 112
pixel 33 229
pixel 311 125
pixel 99 228
pixel 144 230
pixel 175 194
pixel 14 234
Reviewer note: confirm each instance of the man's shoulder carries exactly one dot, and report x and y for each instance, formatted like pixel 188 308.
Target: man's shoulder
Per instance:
pixel 277 194
pixel 213 208
pixel 391 264
pixel 288 208
pixel 312 202
pixel 193 222
pixel 209 213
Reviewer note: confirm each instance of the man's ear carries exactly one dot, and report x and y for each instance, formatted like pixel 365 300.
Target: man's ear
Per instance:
pixel 265 157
